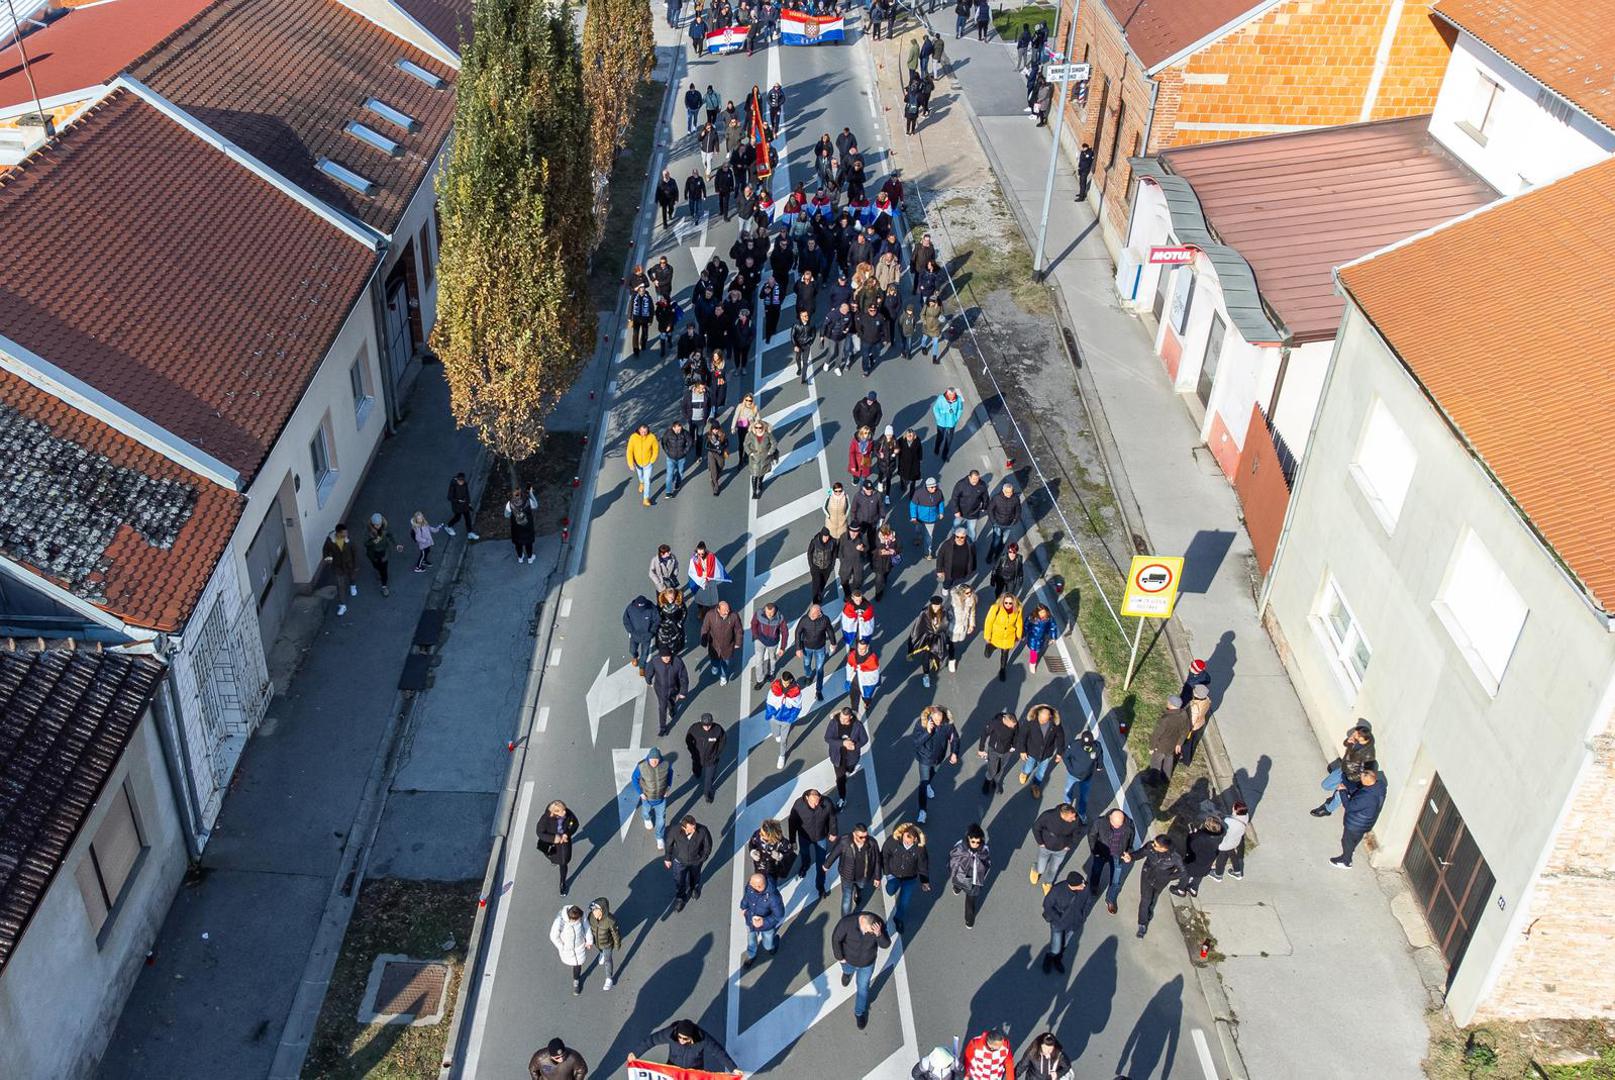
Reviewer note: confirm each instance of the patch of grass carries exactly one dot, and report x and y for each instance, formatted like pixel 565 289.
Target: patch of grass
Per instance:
pixel 1008 23
pixel 627 184
pixel 550 472
pixel 1520 1051
pixel 429 920
pixel 1002 264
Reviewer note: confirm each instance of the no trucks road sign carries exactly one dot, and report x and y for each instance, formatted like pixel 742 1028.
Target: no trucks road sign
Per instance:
pixel 1152 586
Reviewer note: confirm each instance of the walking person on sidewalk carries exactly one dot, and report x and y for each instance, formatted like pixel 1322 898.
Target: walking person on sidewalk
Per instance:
pixel 997 747
pixel 988 1055
pixel 1082 762
pixel 886 552
pixel 1199 852
pixel 946 410
pixel 1056 832
pixel 722 634
pixel 968 503
pixel 905 862
pixel 969 863
pixel 378 545
pixel 956 562
pixel 761 912
pixel 927 641
pixel 340 556
pixel 1356 750
pixel 705 741
pixel 1041 741
pixel 961 621
pixel 653 781
pixel 555 832
pixel 1022 44
pixel 572 940
pixel 1167 740
pixel 520 510
pixel 688 1047
pixel 910 463
pixel 936 743
pixel 1002 630
pixel 1041 634
pixel 925 514
pixel 772 635
pixel 1009 573
pixel 1084 171
pixel 1065 909
pixel 856 942
pixel 422 531
pixel 782 709
pixel 1003 519
pixel 667 197
pixel 1158 867
pixel 687 852
pixel 639 618
pixel 1363 802
pixel 715 447
pixel 813 829
pixel 459 497
pixel 1110 856
pixel 607 937
pixel 677 442
pixel 557 1061
pixel 761 454
pixel 669 680
pixel 664 570
pixel 845 737
pixel 814 631
pixel 857 862
pixel 643 450
pixel 1231 851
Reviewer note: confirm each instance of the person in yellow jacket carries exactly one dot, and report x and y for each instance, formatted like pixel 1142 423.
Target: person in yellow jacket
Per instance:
pixel 1003 630
pixel 643 450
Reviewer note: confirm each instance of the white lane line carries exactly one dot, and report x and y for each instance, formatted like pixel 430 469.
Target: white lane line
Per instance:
pixel 791 413
pixel 777 576
pixel 566 608
pixel 895 959
pixel 555 657
pixel 1203 1052
pixel 986 463
pixel 792 511
pixel 514 846
pixel 542 723
pixel 813 448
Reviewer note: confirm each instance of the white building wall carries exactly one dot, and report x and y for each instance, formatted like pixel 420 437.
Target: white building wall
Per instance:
pixel 1508 758
pixel 1298 397
pixel 1523 144
pixel 61 992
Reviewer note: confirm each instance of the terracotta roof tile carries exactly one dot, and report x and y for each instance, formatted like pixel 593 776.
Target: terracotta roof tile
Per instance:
pixel 65 719
pixel 162 273
pixel 87 47
pixel 1298 205
pixel 1495 315
pixel 1159 29
pixel 106 518
pixel 282 79
pixel 1567 45
pixel 448 20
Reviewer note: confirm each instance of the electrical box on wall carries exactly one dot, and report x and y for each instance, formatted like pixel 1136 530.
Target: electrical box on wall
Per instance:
pixel 1129 274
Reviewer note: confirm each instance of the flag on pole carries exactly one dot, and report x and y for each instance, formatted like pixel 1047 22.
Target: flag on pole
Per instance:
pixel 726 39
pixel 800 28
pixel 759 138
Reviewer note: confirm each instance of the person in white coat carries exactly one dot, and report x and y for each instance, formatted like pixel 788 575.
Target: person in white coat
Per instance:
pixel 570 935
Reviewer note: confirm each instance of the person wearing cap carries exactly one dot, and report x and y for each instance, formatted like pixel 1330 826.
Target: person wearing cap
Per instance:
pixel 956 560
pixel 1356 749
pixel 946 410
pixel 688 1047
pixel 856 942
pixel 925 513
pixel 939 1064
pixel 379 543
pixel 865 508
pixel 1065 907
pixel 557 1061
pixel 1167 741
pixel 1198 676
pixel 705 741
pixel 1199 706
pixel 652 782
pixel 968 503
pixel 866 413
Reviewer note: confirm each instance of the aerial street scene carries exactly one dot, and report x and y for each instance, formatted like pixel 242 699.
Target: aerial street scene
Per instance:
pixel 701 539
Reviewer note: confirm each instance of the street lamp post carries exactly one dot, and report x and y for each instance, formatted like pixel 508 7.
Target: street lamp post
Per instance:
pixel 1039 271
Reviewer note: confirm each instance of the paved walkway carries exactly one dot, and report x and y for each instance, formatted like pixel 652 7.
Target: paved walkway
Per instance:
pixel 1303 939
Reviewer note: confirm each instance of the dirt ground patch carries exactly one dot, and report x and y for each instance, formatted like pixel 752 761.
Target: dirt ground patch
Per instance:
pixel 1537 1050
pixel 427 920
pixel 550 472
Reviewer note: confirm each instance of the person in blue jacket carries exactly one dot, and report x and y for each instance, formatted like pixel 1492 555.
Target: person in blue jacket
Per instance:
pixel 946 411
pixel 762 912
pixel 925 513
pixel 1363 802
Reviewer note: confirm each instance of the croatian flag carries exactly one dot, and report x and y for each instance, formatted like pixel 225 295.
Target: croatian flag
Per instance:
pixel 800 28
pixel 726 39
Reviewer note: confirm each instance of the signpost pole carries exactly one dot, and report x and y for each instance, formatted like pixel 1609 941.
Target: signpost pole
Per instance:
pixel 1132 657
pixel 1038 269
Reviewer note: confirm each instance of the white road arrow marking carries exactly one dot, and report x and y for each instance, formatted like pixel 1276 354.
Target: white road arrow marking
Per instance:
pixel 811 503
pixel 779 575
pixel 623 760
pixel 609 691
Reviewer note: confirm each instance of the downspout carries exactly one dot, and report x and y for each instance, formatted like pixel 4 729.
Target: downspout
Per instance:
pixel 166 712
pixel 378 317
pixel 1278 381
pixel 1144 150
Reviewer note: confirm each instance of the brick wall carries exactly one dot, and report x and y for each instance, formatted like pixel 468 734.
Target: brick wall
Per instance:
pixel 1564 964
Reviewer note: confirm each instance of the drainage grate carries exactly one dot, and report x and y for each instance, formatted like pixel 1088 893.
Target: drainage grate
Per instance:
pixel 402 990
pixel 1055 663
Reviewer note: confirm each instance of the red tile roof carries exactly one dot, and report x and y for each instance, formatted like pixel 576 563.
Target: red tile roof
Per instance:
pixel 1497 316
pixel 88 46
pixel 281 79
pixel 165 275
pixel 1298 205
pixel 1567 45
pixel 1159 29
pixel 448 20
pixel 104 517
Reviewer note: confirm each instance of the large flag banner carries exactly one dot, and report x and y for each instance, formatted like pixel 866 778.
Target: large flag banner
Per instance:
pixel 647 1070
pixel 726 39
pixel 800 28
pixel 764 166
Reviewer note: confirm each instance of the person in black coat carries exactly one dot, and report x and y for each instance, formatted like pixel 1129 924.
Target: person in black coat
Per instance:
pixel 857 859
pixel 910 462
pixel 670 680
pixel 905 862
pixel 1040 739
pixel 956 559
pixel 705 741
pixel 1199 851
pixel 688 848
pixel 555 832
pixel 1065 908
pixel 688 1047
pixel 667 196
pixel 1010 572
pixel 866 412
pixel 997 748
pixel 856 942
pixel 723 183
pixel 813 829
pixel 1158 867
pixel 640 620
pixel 1110 852
pixel 1003 516
pixel 1045 1059
pixel 845 738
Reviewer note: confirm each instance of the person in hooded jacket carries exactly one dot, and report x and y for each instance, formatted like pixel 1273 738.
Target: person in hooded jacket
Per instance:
pixel 572 940
pixel 936 743
pixel 1041 741
pixel 652 782
pixel 669 680
pixel 705 741
pixel 556 830
pixel 688 849
pixel 905 862
pixel 1082 761
pixel 557 1061
pixel 969 863
pixel 997 747
pixel 607 937
pixel 1065 909
pixel 1041 633
pixel 640 619
pixel 939 1064
pixel 845 738
pixel 688 1047
pixel 927 642
pixel 1046 1059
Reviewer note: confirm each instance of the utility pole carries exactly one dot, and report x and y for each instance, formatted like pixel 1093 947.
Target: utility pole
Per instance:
pixel 1039 271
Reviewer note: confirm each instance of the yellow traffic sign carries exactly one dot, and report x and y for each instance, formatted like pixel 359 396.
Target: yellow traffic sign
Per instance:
pixel 1152 586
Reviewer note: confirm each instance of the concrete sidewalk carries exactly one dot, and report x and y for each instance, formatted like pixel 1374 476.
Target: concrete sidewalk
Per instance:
pixel 1304 941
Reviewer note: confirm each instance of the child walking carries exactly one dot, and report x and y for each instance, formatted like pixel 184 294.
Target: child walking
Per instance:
pixel 422 531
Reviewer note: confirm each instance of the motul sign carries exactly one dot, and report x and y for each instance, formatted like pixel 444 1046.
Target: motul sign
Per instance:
pixel 1171 256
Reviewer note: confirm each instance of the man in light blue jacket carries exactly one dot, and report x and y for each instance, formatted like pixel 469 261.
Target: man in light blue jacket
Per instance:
pixel 946 411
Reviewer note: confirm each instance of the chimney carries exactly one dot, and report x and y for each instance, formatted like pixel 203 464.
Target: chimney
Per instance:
pixel 33 130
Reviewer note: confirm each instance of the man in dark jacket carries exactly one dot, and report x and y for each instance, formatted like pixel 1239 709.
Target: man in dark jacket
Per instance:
pixel 968 503
pixel 557 1061
pixel 1040 739
pixel 837 331
pixel 460 505
pixel 687 850
pixel 1167 741
pixel 1363 802
pixel 670 680
pixel 857 860
pixel 866 412
pixel 802 334
pixel 341 554
pixel 936 742
pixel 821 557
pixel 813 829
pixel 1003 520
pixel 1056 832
pixel 640 619
pixel 956 560
pixel 1159 866
pixel 1199 850
pixel 1110 847
pixel 872 337
pixel 677 442
pixel 865 508
pixel 705 741
pixel 667 196
pixel 856 942
pixel 688 1047
pixel 1065 908
pixel 813 634
pixel 1081 760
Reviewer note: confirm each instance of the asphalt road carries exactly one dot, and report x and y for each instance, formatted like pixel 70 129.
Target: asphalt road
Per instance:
pixel 1128 1006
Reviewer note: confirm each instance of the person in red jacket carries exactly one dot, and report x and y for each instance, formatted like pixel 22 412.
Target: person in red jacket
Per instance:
pixel 988 1057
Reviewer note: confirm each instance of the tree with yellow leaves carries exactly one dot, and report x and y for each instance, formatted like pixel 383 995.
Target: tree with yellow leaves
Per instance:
pixel 619 49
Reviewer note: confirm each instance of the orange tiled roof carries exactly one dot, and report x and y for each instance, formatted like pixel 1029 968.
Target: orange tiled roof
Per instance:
pixel 1566 45
pixel 1497 316
pixel 104 517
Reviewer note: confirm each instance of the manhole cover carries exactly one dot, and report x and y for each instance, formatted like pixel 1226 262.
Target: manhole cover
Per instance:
pixel 403 990
pixel 1056 664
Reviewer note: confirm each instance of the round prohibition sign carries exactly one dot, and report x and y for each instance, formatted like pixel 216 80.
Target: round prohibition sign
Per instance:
pixel 1154 578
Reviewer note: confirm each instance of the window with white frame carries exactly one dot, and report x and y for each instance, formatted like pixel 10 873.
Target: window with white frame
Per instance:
pixel 108 867
pixel 1481 609
pixel 1342 635
pixel 323 461
pixel 1383 467
pixel 359 382
pixel 1481 107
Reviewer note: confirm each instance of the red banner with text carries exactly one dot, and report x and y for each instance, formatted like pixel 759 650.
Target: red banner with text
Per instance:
pixel 649 1070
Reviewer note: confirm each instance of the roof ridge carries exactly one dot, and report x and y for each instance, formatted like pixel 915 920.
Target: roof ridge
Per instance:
pixel 16 172
pixel 178 30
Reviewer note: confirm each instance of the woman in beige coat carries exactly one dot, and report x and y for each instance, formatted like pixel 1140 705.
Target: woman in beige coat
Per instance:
pixel 963 623
pixel 888 271
pixel 835 511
